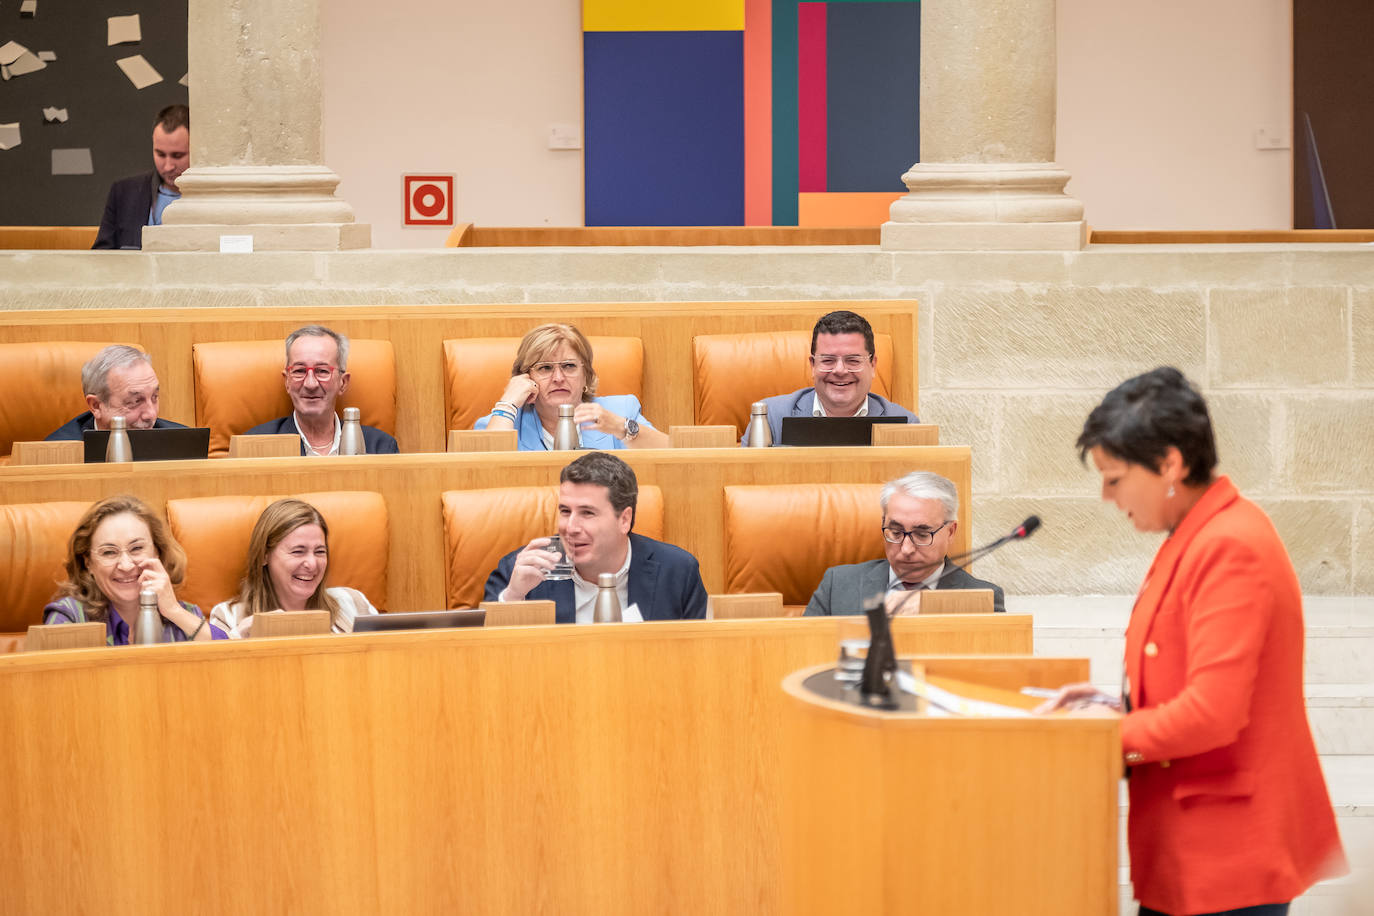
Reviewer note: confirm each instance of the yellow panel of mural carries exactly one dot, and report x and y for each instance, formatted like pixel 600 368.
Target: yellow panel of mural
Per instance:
pixel 662 15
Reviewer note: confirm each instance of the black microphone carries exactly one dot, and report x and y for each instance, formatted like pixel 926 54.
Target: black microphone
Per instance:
pixel 1026 528
pixel 1019 533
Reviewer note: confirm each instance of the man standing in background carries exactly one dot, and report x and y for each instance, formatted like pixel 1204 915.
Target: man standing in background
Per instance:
pixel 139 200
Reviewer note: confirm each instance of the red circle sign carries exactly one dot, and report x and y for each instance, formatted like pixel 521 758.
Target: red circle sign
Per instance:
pixel 427 199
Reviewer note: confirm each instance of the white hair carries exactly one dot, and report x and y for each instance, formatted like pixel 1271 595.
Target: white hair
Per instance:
pixel 95 375
pixel 319 330
pixel 924 485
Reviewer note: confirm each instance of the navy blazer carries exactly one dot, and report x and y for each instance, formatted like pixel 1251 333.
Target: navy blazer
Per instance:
pixel 665 582
pixel 801 402
pixel 77 425
pixel 127 209
pixel 375 442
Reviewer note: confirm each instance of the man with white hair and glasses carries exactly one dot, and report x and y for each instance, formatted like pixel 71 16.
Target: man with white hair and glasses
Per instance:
pixel 920 513
pixel 119 381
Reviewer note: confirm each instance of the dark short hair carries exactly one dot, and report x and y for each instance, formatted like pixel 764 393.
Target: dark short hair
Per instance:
pixel 172 117
pixel 1140 419
pixel 843 322
pixel 606 470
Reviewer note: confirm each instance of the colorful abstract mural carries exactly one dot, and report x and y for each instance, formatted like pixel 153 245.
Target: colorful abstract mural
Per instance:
pixel 748 112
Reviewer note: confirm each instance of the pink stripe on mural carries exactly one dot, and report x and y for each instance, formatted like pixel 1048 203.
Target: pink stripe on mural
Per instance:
pixel 811 97
pixel 758 112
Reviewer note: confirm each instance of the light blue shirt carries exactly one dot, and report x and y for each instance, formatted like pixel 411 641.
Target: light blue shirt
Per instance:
pixel 164 197
pixel 529 432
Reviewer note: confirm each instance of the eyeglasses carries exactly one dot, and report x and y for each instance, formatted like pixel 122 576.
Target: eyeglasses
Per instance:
pixel 322 374
pixel 544 370
pixel 109 554
pixel 920 537
pixel 833 363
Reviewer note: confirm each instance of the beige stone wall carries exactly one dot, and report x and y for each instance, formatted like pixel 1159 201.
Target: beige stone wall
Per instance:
pixel 1015 349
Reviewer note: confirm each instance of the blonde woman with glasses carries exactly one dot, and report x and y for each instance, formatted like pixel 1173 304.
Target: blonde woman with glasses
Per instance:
pixel 552 367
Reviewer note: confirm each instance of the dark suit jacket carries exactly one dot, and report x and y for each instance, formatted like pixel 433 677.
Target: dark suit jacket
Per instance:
pixel 375 441
pixel 77 425
pixel 665 581
pixel 802 402
pixel 843 589
pixel 127 208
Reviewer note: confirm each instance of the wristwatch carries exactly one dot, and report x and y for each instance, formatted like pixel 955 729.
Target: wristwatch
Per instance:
pixel 631 430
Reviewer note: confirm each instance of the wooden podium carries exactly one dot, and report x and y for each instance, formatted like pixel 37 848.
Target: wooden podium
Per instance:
pixel 905 812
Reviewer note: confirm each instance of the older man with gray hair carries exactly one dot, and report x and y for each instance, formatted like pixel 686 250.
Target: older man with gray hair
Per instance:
pixel 119 381
pixel 920 515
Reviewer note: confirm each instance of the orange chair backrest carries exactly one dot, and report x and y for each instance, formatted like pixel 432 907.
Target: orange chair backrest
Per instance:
pixel 33 547
pixel 482 526
pixel 40 387
pixel 476 370
pixel 239 385
pixel 732 371
pixel 215 531
pixel 783 538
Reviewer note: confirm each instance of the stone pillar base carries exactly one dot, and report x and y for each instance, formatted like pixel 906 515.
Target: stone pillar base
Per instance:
pixel 284 208
pixel 978 206
pixel 266 237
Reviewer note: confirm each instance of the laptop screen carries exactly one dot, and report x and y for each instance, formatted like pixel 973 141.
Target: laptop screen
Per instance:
pixel 832 431
pixel 171 444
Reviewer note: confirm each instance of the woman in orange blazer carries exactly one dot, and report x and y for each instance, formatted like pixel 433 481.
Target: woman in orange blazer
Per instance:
pixel 1229 810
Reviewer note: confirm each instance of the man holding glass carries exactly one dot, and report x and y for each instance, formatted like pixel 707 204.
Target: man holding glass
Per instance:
pixel 316 374
pixel 842 363
pixel 597 494
pixel 920 513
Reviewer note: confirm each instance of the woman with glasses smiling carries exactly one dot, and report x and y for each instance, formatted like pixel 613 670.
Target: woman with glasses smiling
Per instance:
pixel 553 366
pixel 118 549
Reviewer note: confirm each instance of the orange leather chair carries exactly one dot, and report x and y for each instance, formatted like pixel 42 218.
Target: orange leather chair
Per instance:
pixel 482 526
pixel 477 369
pixel 215 531
pixel 40 387
pixel 732 371
pixel 783 538
pixel 239 385
pixel 33 546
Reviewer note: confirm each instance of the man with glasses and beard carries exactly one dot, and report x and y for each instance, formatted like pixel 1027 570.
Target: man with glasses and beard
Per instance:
pixel 919 518
pixel 316 374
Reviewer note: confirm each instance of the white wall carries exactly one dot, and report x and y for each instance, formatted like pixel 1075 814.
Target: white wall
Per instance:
pixel 465 87
pixel 1158 104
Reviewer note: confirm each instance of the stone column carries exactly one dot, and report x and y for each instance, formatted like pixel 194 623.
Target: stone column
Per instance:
pixel 257 135
pixel 986 179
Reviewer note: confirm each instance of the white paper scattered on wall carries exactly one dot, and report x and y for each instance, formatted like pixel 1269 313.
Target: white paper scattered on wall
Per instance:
pixel 183 79
pixel 139 71
pixel 123 30
pixel 55 114
pixel 11 51
pixel 27 63
pixel 72 161
pixel 48 56
pixel 28 8
pixel 9 135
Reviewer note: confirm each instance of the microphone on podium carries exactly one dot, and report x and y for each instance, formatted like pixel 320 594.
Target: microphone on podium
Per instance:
pixel 877 684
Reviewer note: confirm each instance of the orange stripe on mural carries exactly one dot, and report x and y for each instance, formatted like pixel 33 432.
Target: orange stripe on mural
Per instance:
pixel 845 208
pixel 758 112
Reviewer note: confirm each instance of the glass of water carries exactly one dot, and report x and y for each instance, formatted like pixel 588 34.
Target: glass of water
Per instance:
pixel 562 567
pixel 849 668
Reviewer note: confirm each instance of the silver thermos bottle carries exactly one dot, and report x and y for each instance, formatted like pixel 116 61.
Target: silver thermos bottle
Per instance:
pixel 351 433
pixel 758 435
pixel 148 629
pixel 117 447
pixel 607 607
pixel 565 433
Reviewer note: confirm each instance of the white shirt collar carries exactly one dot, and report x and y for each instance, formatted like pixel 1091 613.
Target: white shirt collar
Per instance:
pixel 310 449
pixel 584 592
pixel 893 582
pixel 818 410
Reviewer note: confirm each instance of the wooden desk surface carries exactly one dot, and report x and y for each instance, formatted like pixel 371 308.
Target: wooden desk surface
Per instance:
pixel 615 769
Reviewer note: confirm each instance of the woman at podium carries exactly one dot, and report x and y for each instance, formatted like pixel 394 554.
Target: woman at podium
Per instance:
pixel 1229 810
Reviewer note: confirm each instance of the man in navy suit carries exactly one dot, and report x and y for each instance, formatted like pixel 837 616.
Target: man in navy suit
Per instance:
pixel 842 364
pixel 596 510
pixel 316 374
pixel 119 381
pixel 139 200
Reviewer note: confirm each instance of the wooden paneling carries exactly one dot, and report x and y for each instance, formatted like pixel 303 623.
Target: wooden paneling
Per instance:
pixel 1226 236
pixel 692 481
pixel 40 238
pixel 417 332
pixel 616 769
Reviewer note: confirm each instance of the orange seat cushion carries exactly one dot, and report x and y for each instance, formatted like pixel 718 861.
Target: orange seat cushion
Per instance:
pixel 215 531
pixel 482 526
pixel 783 538
pixel 239 385
pixel 33 547
pixel 477 369
pixel 732 371
pixel 40 387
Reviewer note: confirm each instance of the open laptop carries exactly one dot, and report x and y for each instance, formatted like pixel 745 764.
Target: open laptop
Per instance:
pixel 171 444
pixel 805 431
pixel 418 620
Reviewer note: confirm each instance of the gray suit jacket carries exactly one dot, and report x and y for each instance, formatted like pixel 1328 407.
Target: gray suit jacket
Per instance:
pixel 843 589
pixel 801 402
